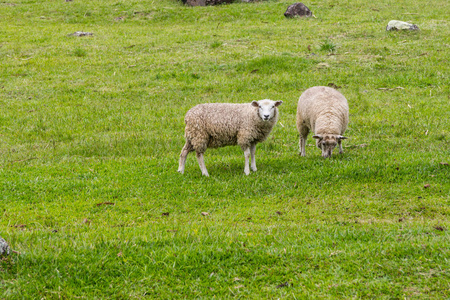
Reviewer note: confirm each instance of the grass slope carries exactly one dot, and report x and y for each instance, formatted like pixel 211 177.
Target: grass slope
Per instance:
pixel 91 129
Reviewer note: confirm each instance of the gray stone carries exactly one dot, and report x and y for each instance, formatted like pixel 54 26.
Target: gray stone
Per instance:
pixel 297 10
pixel 4 248
pixel 400 25
pixel 81 33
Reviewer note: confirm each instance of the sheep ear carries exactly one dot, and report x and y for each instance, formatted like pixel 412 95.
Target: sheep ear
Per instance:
pixel 319 137
pixel 340 137
pixel 278 103
pixel 255 103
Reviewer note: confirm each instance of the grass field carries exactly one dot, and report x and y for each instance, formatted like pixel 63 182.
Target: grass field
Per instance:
pixel 91 129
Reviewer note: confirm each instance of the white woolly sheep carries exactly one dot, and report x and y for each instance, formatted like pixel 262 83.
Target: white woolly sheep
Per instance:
pixel 214 125
pixel 324 111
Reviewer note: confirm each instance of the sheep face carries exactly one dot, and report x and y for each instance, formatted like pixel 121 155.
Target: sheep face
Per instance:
pixel 327 143
pixel 266 108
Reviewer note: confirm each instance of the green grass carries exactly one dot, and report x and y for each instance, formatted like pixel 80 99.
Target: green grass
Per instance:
pixel 327 46
pixel 91 129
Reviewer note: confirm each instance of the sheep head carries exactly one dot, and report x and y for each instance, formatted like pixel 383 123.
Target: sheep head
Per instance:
pixel 266 108
pixel 327 142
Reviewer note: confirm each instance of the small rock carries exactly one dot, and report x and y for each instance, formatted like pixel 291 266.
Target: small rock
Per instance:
pixel 81 33
pixel 297 10
pixel 285 284
pixel 4 248
pixel 400 25
pixel 440 228
pixel 334 86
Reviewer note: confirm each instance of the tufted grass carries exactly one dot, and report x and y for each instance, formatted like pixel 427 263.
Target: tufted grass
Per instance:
pixel 91 129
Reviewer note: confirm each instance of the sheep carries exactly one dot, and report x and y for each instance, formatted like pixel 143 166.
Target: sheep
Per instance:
pixel 324 111
pixel 213 125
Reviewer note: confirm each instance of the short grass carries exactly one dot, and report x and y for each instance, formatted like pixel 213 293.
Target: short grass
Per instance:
pixel 91 129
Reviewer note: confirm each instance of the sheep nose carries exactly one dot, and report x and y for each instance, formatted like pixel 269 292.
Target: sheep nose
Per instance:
pixel 326 154
pixel 266 117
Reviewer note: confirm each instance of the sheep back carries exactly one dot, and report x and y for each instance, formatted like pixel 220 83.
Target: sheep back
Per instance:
pixel 323 110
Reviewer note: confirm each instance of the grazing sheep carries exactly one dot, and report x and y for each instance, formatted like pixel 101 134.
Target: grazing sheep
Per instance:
pixel 324 111
pixel 214 125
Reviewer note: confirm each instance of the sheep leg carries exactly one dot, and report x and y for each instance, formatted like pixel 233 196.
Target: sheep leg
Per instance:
pixel 302 143
pixel 252 153
pixel 340 147
pixel 201 163
pixel 247 156
pixel 184 153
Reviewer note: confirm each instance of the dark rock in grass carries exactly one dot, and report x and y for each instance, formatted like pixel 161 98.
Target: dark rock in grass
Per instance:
pixel 440 228
pixel 4 248
pixel 81 33
pixel 400 25
pixel 297 10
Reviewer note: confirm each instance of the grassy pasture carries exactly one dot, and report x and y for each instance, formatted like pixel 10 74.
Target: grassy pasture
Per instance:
pixel 91 129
